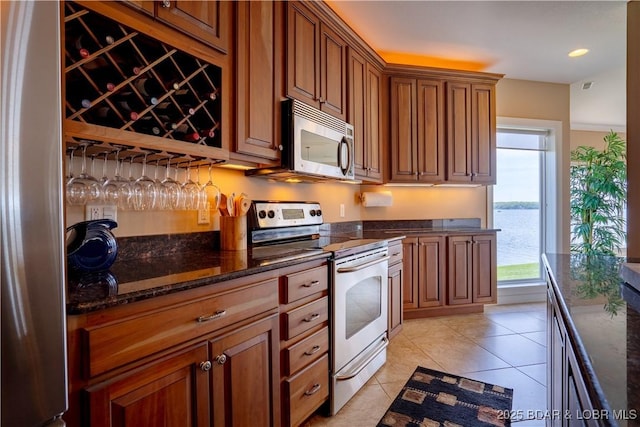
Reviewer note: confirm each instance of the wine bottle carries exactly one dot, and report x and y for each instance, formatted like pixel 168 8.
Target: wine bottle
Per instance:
pixel 107 116
pixel 149 87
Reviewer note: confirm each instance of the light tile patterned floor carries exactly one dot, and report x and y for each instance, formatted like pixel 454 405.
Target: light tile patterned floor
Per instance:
pixel 505 345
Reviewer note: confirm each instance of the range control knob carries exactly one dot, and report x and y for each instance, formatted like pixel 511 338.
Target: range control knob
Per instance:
pixel 312 212
pixel 262 214
pixel 318 212
pixel 271 214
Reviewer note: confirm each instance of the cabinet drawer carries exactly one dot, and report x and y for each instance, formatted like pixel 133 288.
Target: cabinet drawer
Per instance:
pixel 306 317
pixel 116 344
pixel 395 254
pixel 306 351
pixel 306 391
pixel 305 283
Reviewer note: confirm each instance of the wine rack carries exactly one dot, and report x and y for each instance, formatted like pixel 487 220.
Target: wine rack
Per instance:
pixel 120 79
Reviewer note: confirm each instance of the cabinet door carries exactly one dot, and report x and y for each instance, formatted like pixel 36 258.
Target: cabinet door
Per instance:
pixel 172 392
pixel 206 21
pixel 303 54
pixel 357 76
pixel 395 299
pixel 410 268
pixel 460 270
pixel 430 138
pixel 245 375
pixel 556 370
pixel 458 132
pixel 403 130
pixel 259 63
pixel 483 134
pixel 373 124
pixel 431 267
pixel 484 269
pixel 333 73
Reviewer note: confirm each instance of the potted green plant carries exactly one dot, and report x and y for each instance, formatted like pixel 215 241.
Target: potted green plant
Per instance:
pixel 598 182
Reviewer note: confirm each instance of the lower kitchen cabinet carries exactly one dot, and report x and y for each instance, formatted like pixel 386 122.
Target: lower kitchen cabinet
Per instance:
pixel 207 356
pixel 396 279
pixel 172 391
pixel 304 341
pixel 446 274
pixel 245 375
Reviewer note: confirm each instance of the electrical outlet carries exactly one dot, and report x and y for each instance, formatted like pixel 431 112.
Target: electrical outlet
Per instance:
pixel 93 212
pixel 341 210
pixel 203 216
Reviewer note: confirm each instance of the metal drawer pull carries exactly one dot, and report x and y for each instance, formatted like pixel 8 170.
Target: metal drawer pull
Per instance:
pixel 363 265
pixel 313 390
pixel 313 350
pixel 308 285
pixel 213 316
pixel 166 4
pixel 314 316
pixel 205 366
pixel 221 359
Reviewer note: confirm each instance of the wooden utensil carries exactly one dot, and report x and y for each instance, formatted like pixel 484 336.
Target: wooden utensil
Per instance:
pixel 223 205
pixel 243 204
pixel 231 204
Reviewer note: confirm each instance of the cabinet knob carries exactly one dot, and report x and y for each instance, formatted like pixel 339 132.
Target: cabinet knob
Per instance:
pixel 314 349
pixel 205 366
pixel 166 4
pixel 221 359
pixel 280 147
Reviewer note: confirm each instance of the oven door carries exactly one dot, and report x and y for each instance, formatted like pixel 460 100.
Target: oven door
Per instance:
pixel 360 295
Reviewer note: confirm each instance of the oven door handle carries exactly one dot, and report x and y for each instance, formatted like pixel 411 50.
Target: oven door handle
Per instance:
pixel 384 343
pixel 363 265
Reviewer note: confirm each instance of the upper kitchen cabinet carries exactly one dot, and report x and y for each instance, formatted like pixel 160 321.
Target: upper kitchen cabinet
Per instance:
pixel 260 78
pixel 316 61
pixel 443 126
pixel 364 114
pixel 417 130
pixel 471 133
pixel 130 80
pixel 206 21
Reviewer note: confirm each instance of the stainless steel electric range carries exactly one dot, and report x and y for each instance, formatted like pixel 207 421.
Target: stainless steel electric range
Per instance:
pixel 358 293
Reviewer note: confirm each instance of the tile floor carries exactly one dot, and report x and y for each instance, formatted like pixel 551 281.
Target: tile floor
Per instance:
pixel 505 345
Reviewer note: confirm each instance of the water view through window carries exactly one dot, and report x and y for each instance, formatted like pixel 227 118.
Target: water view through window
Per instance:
pixel 517 200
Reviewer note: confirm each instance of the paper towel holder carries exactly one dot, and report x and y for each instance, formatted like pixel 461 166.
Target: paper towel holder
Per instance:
pixel 376 199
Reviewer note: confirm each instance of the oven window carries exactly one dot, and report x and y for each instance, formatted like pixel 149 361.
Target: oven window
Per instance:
pixel 363 305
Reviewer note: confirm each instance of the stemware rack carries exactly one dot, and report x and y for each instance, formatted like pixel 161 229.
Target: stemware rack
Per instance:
pixel 129 89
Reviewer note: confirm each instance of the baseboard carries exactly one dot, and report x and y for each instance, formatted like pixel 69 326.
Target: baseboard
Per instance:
pixel 517 294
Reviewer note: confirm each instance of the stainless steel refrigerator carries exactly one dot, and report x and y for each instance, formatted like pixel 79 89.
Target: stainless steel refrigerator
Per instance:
pixel 34 373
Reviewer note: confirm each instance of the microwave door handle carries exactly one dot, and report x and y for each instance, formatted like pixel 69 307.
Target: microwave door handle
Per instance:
pixel 344 168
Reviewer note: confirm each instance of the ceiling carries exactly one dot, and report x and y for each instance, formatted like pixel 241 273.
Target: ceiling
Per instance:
pixel 527 40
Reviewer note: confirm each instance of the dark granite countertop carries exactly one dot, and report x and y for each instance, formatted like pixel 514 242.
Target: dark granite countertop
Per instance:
pixel 603 321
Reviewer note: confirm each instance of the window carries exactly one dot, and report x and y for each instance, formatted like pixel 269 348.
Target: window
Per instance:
pixel 518 204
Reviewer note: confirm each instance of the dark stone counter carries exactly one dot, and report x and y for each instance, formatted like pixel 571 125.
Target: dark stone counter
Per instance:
pixel 603 323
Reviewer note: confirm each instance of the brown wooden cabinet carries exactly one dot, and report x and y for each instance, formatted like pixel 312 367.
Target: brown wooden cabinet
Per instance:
pixel 316 61
pixel 472 269
pixel 425 269
pixel 365 115
pixel 471 133
pixel 244 375
pixel 443 126
pixel 304 341
pixel 170 391
pixel 206 21
pixel 260 75
pixel 417 130
pixel 396 280
pixel 188 358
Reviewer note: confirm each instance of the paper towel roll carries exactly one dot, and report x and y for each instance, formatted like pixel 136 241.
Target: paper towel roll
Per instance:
pixel 382 198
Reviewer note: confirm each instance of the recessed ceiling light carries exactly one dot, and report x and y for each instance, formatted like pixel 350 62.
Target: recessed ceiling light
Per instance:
pixel 578 52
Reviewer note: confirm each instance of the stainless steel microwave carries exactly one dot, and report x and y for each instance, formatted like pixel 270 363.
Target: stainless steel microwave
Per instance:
pixel 315 146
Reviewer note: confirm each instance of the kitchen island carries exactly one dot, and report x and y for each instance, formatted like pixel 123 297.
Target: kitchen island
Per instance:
pixel 593 343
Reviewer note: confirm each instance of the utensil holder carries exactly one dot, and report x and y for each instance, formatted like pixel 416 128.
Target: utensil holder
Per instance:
pixel 233 233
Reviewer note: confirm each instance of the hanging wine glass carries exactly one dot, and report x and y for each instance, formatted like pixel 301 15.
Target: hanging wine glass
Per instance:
pixel 76 191
pixel 161 191
pixel 191 190
pixel 144 190
pixel 85 188
pixel 172 189
pixel 211 193
pixel 117 189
